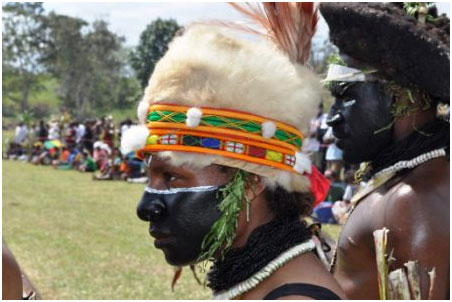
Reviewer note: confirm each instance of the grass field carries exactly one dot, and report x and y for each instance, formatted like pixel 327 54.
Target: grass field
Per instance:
pixel 80 239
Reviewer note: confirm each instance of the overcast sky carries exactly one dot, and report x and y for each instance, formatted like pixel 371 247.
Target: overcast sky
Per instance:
pixel 129 19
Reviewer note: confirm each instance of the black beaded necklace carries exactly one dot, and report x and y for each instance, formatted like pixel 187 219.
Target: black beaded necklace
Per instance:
pixel 264 244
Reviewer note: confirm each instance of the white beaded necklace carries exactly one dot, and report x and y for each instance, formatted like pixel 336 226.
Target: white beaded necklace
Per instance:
pixel 409 164
pixel 265 272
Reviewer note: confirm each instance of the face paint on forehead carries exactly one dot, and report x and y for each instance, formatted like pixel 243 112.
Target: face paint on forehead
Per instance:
pixel 179 190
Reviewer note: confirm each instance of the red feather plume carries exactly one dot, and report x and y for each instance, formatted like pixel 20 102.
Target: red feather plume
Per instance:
pixel 290 25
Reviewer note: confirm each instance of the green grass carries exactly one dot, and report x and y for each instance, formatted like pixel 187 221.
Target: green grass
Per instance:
pixel 81 239
pixel 332 229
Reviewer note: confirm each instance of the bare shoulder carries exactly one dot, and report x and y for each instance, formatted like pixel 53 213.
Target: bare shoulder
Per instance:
pixel 416 210
pixel 417 214
pixel 424 193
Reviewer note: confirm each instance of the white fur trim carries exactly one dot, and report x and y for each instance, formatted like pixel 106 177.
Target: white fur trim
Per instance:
pixel 142 111
pixel 208 67
pixel 134 139
pixel 302 163
pixel 268 129
pixel 193 117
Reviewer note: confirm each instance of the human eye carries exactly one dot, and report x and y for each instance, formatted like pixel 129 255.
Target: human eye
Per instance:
pixel 171 177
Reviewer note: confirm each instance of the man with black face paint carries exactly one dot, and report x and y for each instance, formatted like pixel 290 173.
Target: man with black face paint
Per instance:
pixel 221 132
pixel 395 70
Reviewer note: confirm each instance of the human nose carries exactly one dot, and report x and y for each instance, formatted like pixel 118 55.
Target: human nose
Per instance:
pixel 150 209
pixel 335 115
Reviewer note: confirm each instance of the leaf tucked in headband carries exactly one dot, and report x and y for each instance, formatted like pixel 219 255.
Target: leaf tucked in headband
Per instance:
pixel 290 25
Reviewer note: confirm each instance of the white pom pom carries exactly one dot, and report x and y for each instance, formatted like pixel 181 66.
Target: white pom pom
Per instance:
pixel 302 163
pixel 134 139
pixel 142 111
pixel 193 117
pixel 268 129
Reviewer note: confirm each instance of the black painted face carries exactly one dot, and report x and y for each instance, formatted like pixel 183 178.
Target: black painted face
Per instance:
pixel 180 219
pixel 182 206
pixel 359 111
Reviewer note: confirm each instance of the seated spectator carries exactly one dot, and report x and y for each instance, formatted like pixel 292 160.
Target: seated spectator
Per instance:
pixel 77 160
pixel 100 156
pixel 41 158
pixel 88 164
pixel 14 150
pixel 53 156
pixel 135 168
pixel 116 162
pixel 62 157
pixel 36 151
pixel 124 168
pixel 67 163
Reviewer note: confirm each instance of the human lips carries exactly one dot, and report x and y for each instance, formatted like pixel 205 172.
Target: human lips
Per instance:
pixel 161 239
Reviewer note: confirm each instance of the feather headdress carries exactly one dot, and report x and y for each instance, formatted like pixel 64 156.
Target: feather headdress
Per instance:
pixel 214 98
pixel 290 25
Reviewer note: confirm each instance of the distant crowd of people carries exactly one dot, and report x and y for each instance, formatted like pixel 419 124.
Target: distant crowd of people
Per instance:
pixel 66 144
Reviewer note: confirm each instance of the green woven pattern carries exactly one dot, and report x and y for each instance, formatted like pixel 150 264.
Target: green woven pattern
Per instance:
pixel 223 122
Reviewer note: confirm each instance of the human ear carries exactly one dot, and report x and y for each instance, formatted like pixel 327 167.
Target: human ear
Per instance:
pixel 255 185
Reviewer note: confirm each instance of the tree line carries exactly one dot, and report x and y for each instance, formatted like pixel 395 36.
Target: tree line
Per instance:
pixel 94 70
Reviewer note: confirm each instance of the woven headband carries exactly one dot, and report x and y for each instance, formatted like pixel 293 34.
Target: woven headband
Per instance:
pixel 224 132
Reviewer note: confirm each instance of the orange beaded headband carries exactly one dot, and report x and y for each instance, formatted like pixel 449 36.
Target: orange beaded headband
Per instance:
pixel 224 132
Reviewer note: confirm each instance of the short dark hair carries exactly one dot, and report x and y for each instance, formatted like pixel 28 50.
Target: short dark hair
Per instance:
pixel 288 204
pixel 282 203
